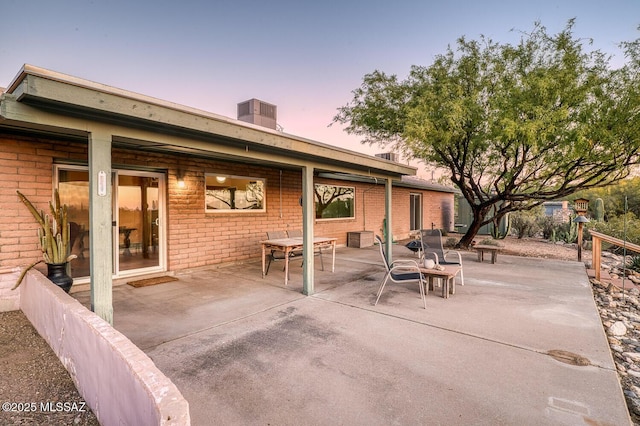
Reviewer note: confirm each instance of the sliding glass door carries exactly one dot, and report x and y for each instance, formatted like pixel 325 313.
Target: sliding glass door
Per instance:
pixel 415 211
pixel 138 212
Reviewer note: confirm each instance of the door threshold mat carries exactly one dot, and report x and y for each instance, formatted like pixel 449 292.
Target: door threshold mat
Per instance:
pixel 151 281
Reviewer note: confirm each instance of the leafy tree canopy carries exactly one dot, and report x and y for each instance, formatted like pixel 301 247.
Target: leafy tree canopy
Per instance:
pixel 514 125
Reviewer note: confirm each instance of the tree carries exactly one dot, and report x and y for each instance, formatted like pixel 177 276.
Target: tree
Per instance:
pixel 514 125
pixel 326 197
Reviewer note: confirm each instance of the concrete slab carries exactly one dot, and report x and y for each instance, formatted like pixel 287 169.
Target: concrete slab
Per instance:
pixel 244 350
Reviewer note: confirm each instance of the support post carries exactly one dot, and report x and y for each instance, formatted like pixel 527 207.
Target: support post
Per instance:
pixel 388 187
pixel 308 218
pixel 580 242
pixel 100 225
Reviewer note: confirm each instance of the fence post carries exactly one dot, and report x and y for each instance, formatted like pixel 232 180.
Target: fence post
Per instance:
pixel 596 250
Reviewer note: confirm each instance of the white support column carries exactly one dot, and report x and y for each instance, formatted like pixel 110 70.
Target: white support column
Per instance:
pixel 388 187
pixel 100 225
pixel 308 218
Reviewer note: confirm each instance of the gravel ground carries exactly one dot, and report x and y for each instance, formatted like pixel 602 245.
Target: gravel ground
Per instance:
pixel 35 388
pixel 34 380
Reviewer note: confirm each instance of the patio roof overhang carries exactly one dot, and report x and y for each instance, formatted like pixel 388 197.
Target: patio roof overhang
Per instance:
pixel 40 100
pixel 44 102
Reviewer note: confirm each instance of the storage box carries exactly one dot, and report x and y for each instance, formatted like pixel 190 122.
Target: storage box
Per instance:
pixel 360 239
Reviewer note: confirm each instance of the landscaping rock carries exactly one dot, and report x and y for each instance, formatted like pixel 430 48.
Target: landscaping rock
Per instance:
pixel 618 329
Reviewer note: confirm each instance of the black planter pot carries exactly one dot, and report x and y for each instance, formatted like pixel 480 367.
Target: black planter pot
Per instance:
pixel 57 274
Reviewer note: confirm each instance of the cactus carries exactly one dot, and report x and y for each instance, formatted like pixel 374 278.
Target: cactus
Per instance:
pixel 54 230
pixel 495 228
pixel 599 210
pixel 53 234
pixel 572 235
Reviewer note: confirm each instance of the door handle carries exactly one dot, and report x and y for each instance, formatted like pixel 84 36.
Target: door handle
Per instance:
pixel 157 221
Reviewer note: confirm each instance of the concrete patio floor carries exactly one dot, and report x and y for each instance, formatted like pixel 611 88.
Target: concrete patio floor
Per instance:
pixel 247 350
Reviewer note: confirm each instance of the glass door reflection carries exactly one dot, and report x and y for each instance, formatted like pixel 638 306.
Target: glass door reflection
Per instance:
pixel 73 187
pixel 138 230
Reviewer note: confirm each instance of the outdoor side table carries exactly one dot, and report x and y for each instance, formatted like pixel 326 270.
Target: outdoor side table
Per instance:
pixel 491 249
pixel 448 276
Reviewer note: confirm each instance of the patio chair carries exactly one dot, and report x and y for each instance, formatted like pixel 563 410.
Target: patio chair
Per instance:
pixel 401 271
pixel 297 233
pixel 432 248
pixel 275 254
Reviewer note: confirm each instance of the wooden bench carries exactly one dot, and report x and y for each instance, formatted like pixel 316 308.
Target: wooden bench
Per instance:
pixel 492 249
pixel 447 275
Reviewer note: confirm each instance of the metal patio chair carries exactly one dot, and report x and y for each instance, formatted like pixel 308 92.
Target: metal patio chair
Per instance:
pixel 275 254
pixel 431 240
pixel 401 271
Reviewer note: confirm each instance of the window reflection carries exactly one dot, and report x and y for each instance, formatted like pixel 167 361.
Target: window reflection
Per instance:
pixel 233 193
pixel 334 202
pixel 73 186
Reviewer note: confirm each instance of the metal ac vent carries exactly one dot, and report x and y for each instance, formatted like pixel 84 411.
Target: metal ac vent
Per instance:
pixel 391 156
pixel 257 112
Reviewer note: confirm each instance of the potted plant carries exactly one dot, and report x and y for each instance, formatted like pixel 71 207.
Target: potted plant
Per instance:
pixel 54 236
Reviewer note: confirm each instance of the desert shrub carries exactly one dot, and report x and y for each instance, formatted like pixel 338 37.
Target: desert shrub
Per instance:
pixel 451 242
pixel 634 264
pixel 546 225
pixel 525 223
pixel 624 227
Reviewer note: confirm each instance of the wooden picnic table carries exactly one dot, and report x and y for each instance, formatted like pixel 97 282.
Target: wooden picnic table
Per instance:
pixel 287 245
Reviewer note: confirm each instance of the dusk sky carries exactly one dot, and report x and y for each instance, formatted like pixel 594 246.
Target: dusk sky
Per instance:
pixel 305 57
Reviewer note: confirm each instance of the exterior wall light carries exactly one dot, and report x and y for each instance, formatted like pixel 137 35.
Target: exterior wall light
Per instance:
pixel 180 179
pixel 221 179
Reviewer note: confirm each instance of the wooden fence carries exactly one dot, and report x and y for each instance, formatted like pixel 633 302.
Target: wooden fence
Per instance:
pixel 597 238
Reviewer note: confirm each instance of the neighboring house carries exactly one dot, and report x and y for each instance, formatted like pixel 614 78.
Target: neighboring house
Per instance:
pixel 558 210
pixel 163 187
pixel 464 218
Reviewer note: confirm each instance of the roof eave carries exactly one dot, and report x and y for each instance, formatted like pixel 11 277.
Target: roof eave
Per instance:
pixel 72 95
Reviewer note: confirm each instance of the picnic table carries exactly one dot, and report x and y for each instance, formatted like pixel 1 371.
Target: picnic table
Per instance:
pixel 287 245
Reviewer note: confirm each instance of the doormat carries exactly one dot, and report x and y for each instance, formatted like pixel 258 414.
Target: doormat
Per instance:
pixel 151 281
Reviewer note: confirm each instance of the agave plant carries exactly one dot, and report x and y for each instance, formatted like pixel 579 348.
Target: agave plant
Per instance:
pixel 53 234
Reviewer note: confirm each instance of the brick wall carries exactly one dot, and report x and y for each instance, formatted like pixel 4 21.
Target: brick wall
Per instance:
pixel 195 238
pixel 26 164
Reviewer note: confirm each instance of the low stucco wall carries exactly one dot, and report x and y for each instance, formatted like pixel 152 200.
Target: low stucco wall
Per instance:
pixel 9 299
pixel 116 379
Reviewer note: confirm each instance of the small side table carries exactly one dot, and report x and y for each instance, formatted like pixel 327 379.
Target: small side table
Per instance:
pixel 448 275
pixel 492 249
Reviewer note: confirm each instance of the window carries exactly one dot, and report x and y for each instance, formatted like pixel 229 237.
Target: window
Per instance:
pixel 334 202
pixel 234 193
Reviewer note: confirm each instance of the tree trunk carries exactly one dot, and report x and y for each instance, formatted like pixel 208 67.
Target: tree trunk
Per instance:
pixel 479 213
pixel 467 238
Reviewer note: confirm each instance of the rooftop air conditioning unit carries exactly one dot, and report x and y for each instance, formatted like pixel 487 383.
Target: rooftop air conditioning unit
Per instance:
pixel 391 156
pixel 257 112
